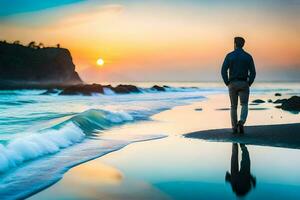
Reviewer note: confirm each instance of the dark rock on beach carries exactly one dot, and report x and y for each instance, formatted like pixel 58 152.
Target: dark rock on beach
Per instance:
pixel 257 109
pixel 278 94
pixel 270 101
pixel 279 101
pixel 291 104
pixel 223 109
pixel 258 101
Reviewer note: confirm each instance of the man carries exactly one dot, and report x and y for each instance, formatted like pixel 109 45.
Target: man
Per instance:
pixel 238 73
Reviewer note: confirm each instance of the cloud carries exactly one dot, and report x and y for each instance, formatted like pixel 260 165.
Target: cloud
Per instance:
pixel 91 14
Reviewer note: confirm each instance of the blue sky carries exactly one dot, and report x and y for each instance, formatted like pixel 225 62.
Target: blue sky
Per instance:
pixel 11 7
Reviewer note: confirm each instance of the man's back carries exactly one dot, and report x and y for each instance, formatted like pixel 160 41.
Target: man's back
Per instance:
pixel 240 65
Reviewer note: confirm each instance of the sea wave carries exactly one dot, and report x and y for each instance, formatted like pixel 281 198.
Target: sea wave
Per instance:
pixel 58 137
pixel 97 119
pixel 108 91
pixel 15 103
pixel 36 145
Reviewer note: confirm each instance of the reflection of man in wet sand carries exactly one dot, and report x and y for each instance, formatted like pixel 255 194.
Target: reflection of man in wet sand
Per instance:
pixel 241 179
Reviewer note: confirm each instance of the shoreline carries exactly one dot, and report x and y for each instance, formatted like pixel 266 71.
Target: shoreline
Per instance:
pixel 66 170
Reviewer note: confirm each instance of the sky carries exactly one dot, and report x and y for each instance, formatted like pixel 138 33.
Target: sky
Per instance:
pixel 167 40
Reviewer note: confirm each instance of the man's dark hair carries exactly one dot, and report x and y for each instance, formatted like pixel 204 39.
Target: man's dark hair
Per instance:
pixel 239 42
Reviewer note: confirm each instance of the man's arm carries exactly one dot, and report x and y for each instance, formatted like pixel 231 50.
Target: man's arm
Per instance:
pixel 224 70
pixel 252 72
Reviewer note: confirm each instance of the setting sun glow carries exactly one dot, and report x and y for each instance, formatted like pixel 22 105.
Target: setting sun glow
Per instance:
pixel 118 38
pixel 100 62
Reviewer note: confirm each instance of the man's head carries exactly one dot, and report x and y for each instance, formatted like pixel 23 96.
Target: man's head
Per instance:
pixel 239 42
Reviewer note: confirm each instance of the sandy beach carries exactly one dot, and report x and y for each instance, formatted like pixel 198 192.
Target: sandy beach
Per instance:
pixel 178 167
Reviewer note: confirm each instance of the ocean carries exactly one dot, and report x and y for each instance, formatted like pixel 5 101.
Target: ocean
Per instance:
pixel 42 136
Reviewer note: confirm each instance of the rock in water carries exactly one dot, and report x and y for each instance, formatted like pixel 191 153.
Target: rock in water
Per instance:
pixel 82 89
pixel 278 94
pixel 125 89
pixel 158 88
pixel 90 89
pixel 50 91
pixel 291 104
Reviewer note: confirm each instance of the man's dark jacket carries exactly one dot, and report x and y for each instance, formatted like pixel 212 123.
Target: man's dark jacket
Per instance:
pixel 240 65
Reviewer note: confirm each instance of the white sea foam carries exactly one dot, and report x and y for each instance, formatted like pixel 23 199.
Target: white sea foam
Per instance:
pixel 108 91
pixel 38 144
pixel 118 117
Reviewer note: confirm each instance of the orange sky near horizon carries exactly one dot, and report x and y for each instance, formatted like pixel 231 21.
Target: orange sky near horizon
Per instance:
pixel 139 42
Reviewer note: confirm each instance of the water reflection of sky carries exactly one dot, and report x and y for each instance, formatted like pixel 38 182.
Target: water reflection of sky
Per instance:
pixel 192 169
pixel 197 169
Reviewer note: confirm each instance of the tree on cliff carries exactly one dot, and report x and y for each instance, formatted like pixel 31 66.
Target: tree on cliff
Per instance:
pixel 17 42
pixel 32 44
pixel 41 45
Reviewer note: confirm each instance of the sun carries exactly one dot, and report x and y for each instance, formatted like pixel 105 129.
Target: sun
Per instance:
pixel 100 62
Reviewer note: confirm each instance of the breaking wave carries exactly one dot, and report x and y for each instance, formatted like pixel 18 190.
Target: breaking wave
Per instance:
pixel 54 139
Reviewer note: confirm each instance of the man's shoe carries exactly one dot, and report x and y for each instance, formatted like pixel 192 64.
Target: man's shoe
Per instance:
pixel 240 127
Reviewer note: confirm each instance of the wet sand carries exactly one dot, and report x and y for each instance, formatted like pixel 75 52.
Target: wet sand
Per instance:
pixel 281 135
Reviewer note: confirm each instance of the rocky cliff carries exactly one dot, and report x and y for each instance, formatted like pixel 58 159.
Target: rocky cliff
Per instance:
pixel 23 66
